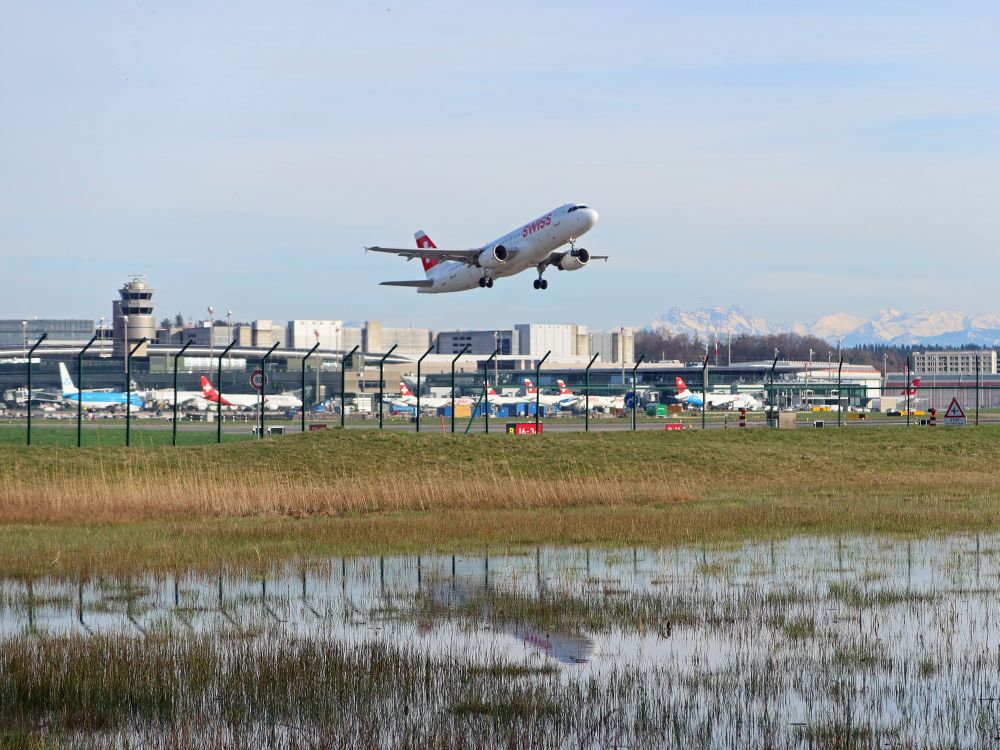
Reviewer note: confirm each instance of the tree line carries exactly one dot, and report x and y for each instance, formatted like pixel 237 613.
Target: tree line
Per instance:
pixel 746 347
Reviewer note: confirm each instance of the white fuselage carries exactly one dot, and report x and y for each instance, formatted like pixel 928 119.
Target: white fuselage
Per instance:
pixel 528 245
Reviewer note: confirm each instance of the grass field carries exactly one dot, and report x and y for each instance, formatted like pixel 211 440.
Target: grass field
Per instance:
pixel 66 511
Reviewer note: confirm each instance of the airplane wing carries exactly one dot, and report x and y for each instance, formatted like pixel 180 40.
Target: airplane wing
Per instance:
pixel 469 257
pixel 419 283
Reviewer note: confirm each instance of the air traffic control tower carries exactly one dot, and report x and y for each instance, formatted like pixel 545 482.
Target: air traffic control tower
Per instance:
pixel 132 317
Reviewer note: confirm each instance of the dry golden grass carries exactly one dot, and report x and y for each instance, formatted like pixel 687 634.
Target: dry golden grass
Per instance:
pixel 357 492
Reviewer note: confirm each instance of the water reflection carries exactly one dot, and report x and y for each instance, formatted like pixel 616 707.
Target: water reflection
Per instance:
pixel 795 642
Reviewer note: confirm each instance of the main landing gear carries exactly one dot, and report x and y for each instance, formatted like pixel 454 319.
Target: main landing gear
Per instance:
pixel 541 283
pixel 485 283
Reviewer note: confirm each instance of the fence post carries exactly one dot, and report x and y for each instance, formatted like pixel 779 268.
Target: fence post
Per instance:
pixel 128 390
pixel 486 387
pixel 770 392
pixel 381 382
pixel 343 382
pixel 704 390
pixel 218 390
pixel 908 376
pixel 173 438
pixel 978 355
pixel 79 392
pixel 840 401
pixel 635 393
pixel 263 384
pixel 419 362
pixel 303 410
pixel 453 361
pixel 31 352
pixel 538 386
pixel 586 413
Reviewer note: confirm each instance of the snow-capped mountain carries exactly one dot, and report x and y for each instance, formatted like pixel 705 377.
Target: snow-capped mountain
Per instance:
pixel 944 327
pixel 710 321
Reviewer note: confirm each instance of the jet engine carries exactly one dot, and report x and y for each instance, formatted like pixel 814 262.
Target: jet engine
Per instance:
pixel 574 260
pixel 493 257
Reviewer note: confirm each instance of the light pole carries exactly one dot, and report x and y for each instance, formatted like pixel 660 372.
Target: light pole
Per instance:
pixel 229 323
pixel 102 337
pixel 211 332
pixel 24 337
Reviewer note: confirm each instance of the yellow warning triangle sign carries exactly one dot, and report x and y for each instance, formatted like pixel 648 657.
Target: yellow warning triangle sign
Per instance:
pixel 954 410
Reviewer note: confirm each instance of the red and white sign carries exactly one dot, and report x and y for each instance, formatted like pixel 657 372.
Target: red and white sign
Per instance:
pixel 955 414
pixel 524 428
pixel 258 379
pixel 673 426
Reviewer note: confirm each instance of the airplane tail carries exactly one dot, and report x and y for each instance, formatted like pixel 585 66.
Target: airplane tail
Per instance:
pixel 563 390
pixel 490 391
pixel 404 390
pixel 67 381
pixel 208 391
pixel 681 385
pixel 529 387
pixel 424 241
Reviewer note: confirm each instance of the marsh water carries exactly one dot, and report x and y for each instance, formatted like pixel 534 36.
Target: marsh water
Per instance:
pixel 805 642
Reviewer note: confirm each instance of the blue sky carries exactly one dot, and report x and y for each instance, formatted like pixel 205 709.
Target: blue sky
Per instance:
pixel 792 158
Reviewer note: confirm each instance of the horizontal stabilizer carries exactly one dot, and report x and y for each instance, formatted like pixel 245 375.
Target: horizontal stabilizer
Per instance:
pixel 420 283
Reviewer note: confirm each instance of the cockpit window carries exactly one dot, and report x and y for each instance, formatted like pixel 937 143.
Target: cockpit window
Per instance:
pixel 575 208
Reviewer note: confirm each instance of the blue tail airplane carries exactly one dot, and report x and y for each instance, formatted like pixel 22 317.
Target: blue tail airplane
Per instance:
pixel 94 399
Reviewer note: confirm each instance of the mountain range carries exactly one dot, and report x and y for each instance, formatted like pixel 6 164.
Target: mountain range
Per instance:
pixel 929 328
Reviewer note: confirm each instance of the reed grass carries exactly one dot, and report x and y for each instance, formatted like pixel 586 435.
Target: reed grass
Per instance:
pixel 63 509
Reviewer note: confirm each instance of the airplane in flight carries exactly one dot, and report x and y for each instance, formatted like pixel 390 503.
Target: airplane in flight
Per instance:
pixel 563 400
pixel 91 398
pixel 408 398
pixel 537 244
pixel 716 400
pixel 273 401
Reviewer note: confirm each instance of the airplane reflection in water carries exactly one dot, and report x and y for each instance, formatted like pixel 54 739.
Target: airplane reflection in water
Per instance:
pixel 459 593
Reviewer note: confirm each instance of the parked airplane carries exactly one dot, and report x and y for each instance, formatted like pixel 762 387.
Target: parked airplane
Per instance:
pixel 408 398
pixel 894 403
pixel 533 245
pixel 497 399
pixel 91 399
pixel 563 400
pixel 596 401
pixel 716 400
pixel 273 401
pixel 166 396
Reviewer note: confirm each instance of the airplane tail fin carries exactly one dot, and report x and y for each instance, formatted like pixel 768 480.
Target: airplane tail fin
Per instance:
pixel 490 391
pixel 207 389
pixel 529 387
pixel 404 390
pixel 681 385
pixel 563 390
pixel 424 241
pixel 67 381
